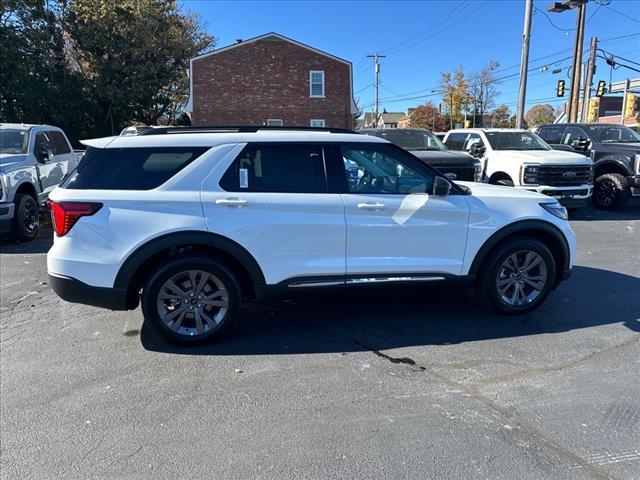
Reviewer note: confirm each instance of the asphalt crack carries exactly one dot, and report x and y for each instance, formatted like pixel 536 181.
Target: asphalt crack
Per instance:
pixel 475 392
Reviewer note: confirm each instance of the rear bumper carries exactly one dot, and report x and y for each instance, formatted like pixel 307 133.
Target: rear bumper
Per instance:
pixel 75 291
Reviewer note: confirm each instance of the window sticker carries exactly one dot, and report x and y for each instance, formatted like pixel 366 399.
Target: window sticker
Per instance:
pixel 244 178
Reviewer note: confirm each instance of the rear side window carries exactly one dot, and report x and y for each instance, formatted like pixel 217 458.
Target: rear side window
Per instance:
pixel 455 141
pixel 58 143
pixel 130 168
pixel 292 168
pixel 550 134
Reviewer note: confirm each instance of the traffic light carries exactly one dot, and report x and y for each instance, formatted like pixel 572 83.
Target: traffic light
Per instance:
pixel 602 87
pixel 630 105
pixel 560 88
pixel 592 114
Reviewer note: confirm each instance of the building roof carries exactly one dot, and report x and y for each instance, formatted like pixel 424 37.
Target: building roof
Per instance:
pixel 385 117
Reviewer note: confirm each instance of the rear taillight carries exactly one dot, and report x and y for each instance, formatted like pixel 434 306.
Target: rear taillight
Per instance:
pixel 64 215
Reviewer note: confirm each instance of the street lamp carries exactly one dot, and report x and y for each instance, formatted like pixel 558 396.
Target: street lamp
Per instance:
pixel 559 7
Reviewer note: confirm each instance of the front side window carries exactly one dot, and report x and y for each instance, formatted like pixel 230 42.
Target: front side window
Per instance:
pixel 293 168
pixel 316 81
pixel 130 168
pixel 58 143
pixel 516 141
pixel 317 122
pixel 379 169
pixel 455 141
pixel 40 142
pixel 13 140
pixel 572 133
pixel 614 134
pixel 472 140
pixel 550 134
pixel 412 139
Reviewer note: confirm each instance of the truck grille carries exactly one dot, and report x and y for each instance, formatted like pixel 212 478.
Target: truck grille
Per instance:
pixel 564 175
pixel 464 174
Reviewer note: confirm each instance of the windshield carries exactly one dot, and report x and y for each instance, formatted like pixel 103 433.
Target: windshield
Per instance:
pixel 516 141
pixel 412 139
pixel 13 140
pixel 614 134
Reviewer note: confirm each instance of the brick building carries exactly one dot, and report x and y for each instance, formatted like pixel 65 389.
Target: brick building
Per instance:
pixel 271 80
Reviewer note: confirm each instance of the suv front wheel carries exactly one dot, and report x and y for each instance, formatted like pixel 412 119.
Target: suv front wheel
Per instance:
pixel 191 299
pixel 519 276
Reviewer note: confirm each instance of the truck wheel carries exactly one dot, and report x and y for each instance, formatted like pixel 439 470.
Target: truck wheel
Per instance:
pixel 610 191
pixel 191 299
pixel 519 276
pixel 26 222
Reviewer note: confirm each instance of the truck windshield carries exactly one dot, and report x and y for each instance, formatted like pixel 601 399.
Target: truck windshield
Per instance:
pixel 13 140
pixel 412 139
pixel 516 141
pixel 614 134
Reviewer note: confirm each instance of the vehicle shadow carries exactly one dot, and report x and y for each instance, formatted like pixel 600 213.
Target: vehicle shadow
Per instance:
pixel 349 320
pixel 41 244
pixel 630 212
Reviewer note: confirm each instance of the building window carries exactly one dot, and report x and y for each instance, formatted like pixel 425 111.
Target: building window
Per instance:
pixel 316 83
pixel 274 122
pixel 317 122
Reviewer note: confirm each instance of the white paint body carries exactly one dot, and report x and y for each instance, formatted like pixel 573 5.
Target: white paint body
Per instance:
pixel 289 235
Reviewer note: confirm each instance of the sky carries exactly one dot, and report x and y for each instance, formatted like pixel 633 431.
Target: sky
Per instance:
pixel 422 39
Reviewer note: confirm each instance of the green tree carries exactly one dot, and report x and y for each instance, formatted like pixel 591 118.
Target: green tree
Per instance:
pixel 427 116
pixel 455 93
pixel 540 114
pixel 133 54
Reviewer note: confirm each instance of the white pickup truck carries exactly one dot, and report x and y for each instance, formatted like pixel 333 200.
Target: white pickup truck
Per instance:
pixel 519 158
pixel 33 161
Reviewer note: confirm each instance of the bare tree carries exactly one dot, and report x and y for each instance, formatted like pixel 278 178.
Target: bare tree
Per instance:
pixel 482 88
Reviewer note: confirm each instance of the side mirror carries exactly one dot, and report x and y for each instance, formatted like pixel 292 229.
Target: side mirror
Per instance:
pixel 441 187
pixel 44 154
pixel 580 144
pixel 477 150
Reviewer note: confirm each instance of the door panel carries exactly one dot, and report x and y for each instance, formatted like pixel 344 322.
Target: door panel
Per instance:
pixel 298 231
pixel 393 224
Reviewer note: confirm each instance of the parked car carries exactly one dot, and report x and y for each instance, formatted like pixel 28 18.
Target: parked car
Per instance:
pixel 190 224
pixel 519 158
pixel 615 151
pixel 33 161
pixel 428 148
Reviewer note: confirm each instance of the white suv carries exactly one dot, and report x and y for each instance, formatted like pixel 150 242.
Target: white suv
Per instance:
pixel 190 222
pixel 519 158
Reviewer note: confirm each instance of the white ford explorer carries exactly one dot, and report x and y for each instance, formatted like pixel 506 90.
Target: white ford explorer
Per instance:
pixel 519 158
pixel 191 222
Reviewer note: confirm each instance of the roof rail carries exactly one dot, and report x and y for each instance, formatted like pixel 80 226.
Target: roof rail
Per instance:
pixel 238 129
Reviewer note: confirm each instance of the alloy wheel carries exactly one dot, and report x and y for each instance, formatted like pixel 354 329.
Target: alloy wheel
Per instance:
pixel 193 302
pixel 521 278
pixel 30 218
pixel 605 193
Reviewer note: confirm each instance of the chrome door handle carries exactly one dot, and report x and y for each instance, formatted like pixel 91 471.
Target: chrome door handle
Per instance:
pixel 371 206
pixel 232 202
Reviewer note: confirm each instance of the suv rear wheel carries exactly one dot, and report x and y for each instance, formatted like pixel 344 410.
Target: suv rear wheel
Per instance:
pixel 519 276
pixel 610 191
pixel 191 299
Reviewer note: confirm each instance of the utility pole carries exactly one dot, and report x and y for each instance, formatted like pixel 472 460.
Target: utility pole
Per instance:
pixel 524 64
pixel 624 100
pixel 577 64
pixel 588 82
pixel 376 67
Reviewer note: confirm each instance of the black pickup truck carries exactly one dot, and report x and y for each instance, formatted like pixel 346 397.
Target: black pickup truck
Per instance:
pixel 428 148
pixel 615 151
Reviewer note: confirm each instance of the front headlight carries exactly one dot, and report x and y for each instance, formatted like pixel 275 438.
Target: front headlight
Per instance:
pixel 3 187
pixel 477 172
pixel 530 174
pixel 638 163
pixel 556 209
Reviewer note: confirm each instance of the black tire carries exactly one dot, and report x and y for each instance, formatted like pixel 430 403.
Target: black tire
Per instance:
pixel 26 220
pixel 573 211
pixel 493 272
pixel 610 192
pixel 176 268
pixel 505 182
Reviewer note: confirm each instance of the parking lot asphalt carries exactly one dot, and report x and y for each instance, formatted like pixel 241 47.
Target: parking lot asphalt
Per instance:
pixel 410 383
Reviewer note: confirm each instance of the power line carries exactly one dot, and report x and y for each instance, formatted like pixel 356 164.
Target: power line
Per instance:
pixel 622 14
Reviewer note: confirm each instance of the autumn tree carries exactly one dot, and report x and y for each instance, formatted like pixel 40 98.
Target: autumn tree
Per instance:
pixel 455 93
pixel 427 116
pixel 540 114
pixel 501 117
